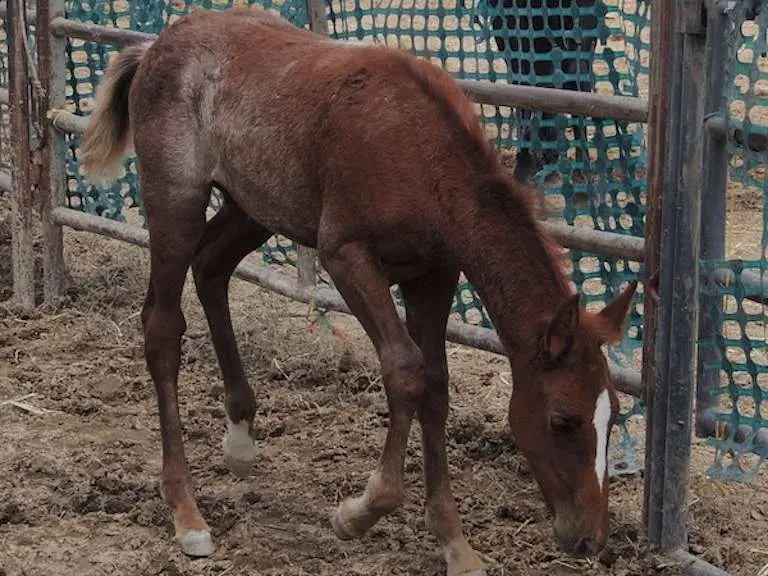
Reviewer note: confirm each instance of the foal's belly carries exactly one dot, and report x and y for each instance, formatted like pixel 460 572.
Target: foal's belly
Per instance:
pixel 282 205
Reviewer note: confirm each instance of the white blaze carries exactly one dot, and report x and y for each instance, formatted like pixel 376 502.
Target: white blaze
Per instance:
pixel 600 421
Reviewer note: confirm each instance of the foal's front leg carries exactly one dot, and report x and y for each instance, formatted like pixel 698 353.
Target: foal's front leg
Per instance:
pixel 428 302
pixel 363 284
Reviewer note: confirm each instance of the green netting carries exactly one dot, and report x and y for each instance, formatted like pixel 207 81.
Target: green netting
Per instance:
pixel 737 350
pixel 592 171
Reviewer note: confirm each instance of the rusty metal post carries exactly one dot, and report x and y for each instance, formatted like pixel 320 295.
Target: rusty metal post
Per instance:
pixel 22 242
pixel 658 112
pixel 53 179
pixel 672 388
pixel 713 220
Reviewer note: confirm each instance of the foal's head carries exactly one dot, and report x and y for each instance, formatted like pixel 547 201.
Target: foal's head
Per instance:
pixel 561 413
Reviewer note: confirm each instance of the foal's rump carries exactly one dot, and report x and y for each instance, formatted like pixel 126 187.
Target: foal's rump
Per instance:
pixel 186 57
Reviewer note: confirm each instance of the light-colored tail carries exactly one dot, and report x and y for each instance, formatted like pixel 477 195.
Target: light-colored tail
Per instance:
pixel 109 137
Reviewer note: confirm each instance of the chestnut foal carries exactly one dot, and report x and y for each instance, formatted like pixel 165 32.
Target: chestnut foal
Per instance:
pixel 378 160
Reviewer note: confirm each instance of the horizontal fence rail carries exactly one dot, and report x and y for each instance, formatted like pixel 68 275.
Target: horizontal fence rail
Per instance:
pixel 64 27
pixel 624 380
pixel 587 104
pixel 711 427
pixel 573 237
pixel 728 129
pixel 529 97
pixel 696 566
pixel 607 243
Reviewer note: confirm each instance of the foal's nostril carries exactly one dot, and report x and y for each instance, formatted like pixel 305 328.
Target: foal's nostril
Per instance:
pixel 585 547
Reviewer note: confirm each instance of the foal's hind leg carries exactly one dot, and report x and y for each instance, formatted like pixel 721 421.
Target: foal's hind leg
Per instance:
pixel 175 229
pixel 229 237
pixel 362 283
pixel 428 302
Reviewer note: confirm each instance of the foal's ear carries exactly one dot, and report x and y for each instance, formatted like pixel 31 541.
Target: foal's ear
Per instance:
pixel 562 328
pixel 615 312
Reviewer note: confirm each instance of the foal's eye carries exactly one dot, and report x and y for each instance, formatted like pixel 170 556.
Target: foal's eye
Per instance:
pixel 564 424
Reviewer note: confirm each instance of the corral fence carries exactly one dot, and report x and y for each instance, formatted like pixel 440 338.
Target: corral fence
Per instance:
pixel 635 117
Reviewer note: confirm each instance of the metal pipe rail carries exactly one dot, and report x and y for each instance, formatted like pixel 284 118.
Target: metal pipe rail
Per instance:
pixel 529 97
pixel 693 565
pixel 755 286
pixel 626 381
pixel 717 126
pixel 573 237
pixel 63 27
pixel 631 109
pixel 607 243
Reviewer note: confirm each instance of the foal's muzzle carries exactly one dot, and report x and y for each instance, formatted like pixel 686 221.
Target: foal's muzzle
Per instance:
pixel 579 538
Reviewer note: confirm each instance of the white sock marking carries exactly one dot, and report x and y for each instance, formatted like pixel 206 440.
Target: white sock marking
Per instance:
pixel 238 444
pixel 600 421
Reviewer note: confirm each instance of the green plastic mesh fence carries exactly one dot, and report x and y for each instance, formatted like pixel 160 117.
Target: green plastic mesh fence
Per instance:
pixel 738 347
pixel 592 171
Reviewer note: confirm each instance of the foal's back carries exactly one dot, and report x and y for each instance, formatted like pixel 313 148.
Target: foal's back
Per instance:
pixel 292 124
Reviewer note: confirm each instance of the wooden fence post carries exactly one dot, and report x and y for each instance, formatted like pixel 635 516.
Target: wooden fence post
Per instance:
pixel 22 235
pixel 53 179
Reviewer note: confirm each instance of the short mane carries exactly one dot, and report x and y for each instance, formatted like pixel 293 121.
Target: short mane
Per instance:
pixel 504 195
pixel 441 87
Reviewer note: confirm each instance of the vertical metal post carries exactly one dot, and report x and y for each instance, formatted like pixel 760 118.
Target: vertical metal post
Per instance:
pixel 306 262
pixel 53 179
pixel 658 113
pixel 675 351
pixel 22 236
pixel 715 184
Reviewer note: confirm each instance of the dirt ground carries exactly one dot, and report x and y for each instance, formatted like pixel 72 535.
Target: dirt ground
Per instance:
pixel 80 459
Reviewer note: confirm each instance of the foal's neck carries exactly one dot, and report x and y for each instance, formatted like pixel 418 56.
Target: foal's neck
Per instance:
pixel 515 272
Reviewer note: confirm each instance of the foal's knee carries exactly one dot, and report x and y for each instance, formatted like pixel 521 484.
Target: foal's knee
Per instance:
pixel 403 370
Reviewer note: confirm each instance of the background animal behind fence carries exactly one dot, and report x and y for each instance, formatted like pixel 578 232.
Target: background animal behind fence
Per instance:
pixel 551 44
pixel 410 215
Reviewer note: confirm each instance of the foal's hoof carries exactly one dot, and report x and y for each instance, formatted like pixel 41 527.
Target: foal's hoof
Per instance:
pixel 238 467
pixel 342 532
pixel 196 543
pixel 239 449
